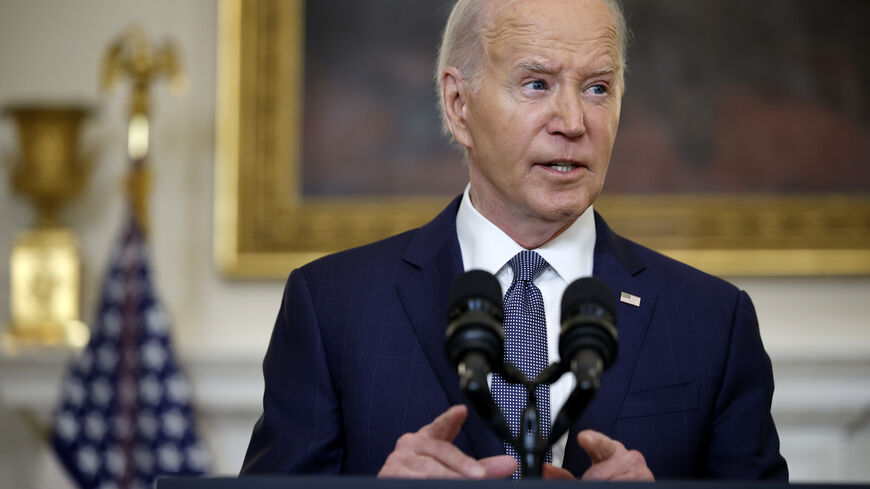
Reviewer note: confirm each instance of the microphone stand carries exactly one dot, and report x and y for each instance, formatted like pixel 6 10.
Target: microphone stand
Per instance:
pixel 530 444
pixel 532 447
pixel 475 345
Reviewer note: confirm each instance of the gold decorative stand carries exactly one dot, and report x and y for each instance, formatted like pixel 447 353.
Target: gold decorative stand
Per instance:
pixel 45 262
pixel 133 56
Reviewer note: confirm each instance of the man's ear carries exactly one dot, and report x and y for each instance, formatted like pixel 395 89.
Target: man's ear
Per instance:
pixel 454 103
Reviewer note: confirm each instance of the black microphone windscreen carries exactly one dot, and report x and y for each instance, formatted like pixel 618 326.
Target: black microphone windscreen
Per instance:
pixel 476 284
pixel 586 290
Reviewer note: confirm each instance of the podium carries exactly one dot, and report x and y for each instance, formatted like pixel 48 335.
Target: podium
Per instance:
pixel 321 482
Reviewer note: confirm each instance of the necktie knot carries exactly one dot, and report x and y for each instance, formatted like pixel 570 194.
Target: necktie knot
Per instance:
pixel 527 265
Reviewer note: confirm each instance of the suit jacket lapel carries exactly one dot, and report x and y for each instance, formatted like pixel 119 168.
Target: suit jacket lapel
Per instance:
pixel 434 261
pixel 616 265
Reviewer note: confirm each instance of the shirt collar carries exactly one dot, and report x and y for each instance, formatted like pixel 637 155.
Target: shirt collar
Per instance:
pixel 486 247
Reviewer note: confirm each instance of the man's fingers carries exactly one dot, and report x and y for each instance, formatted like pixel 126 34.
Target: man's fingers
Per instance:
pixel 633 467
pixel 430 453
pixel 604 471
pixel 551 472
pixel 413 466
pixel 433 468
pixel 625 466
pixel 420 456
pixel 598 446
pixel 446 454
pixel 611 460
pixel 499 466
pixel 446 426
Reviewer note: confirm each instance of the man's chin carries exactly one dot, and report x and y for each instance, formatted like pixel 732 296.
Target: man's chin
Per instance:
pixel 565 213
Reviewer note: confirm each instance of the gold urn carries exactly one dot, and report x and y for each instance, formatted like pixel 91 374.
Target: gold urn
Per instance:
pixel 45 264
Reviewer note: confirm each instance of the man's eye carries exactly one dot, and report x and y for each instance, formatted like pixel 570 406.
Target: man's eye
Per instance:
pixel 598 89
pixel 537 85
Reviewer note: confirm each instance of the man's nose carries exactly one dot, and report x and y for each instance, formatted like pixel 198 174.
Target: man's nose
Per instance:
pixel 568 115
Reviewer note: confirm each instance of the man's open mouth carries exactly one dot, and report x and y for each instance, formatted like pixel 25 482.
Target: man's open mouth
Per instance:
pixel 562 166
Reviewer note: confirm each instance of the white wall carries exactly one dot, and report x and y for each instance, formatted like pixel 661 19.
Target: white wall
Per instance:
pixel 50 50
pixel 817 333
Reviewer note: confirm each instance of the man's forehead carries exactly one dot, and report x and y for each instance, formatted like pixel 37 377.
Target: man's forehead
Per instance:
pixel 519 12
pixel 569 24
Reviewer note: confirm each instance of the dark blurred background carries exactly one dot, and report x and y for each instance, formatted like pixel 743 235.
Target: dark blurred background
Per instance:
pixel 724 96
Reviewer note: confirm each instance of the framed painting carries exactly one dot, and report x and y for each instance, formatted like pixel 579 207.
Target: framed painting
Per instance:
pixel 742 151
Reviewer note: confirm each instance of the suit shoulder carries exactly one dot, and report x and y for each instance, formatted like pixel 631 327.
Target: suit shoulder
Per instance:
pixel 370 258
pixel 676 277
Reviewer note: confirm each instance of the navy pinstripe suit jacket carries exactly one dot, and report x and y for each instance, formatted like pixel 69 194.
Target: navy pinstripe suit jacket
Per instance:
pixel 356 359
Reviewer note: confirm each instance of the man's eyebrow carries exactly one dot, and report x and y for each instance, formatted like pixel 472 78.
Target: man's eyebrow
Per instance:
pixel 534 66
pixel 539 67
pixel 607 70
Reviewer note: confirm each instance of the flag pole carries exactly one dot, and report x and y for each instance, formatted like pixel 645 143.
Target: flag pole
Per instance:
pixel 125 416
pixel 132 56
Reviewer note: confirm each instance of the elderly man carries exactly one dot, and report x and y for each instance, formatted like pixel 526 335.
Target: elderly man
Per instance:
pixel 356 379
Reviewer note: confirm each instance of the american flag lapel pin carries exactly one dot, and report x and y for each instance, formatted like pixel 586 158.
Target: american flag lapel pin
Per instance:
pixel 630 299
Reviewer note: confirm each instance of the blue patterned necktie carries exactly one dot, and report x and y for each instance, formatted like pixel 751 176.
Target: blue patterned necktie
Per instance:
pixel 525 329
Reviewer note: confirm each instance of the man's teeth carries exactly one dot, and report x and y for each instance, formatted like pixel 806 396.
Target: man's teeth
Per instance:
pixel 563 167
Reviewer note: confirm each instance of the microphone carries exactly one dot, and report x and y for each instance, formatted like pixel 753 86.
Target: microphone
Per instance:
pixel 587 342
pixel 475 341
pixel 588 338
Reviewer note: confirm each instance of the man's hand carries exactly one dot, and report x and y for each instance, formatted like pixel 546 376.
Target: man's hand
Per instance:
pixel 611 460
pixel 430 453
pixel 551 472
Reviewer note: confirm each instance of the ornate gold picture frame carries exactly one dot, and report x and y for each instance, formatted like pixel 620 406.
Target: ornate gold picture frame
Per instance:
pixel 264 227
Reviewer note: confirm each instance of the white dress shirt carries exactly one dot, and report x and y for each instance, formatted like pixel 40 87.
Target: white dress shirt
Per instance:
pixel 486 247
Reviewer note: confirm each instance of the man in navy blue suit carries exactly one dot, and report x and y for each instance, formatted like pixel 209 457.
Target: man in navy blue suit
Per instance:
pixel 356 378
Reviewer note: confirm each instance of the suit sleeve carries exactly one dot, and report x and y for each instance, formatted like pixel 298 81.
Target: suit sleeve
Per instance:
pixel 744 443
pixel 300 428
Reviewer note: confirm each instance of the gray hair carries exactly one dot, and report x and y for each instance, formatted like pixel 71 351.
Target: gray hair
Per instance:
pixel 462 47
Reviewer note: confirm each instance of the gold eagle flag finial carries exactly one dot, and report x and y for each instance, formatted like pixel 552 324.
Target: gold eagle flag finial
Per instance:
pixel 133 56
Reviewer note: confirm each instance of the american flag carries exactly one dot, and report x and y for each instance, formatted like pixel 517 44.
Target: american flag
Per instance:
pixel 125 414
